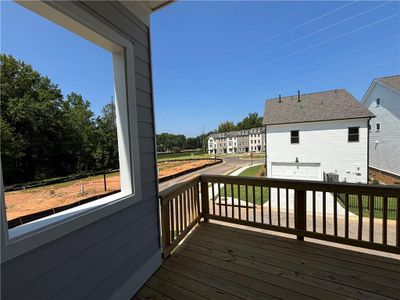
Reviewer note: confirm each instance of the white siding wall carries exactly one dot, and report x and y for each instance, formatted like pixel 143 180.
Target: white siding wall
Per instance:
pixel 322 142
pixel 385 144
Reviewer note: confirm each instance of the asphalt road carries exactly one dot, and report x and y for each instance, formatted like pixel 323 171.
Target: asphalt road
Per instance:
pixel 228 165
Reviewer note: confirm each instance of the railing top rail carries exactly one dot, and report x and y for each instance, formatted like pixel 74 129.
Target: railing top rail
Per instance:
pixel 176 189
pixel 349 188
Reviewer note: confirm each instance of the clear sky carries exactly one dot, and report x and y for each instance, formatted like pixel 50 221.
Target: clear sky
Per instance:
pixel 218 61
pixel 72 62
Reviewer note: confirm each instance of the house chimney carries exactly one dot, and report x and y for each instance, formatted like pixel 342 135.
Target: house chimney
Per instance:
pixel 280 98
pixel 298 96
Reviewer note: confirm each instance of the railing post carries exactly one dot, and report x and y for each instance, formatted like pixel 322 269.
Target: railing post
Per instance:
pixel 205 206
pixel 300 211
pixel 166 233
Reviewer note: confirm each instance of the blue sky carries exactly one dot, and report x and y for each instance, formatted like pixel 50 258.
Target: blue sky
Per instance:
pixel 218 61
pixel 72 62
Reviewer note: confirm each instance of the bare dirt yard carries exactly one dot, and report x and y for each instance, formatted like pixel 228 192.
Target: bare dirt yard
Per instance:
pixel 168 168
pixel 25 202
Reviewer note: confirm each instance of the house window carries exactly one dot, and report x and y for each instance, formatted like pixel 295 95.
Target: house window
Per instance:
pixel 378 126
pixel 353 135
pixel 369 127
pixel 378 101
pixel 73 138
pixel 294 137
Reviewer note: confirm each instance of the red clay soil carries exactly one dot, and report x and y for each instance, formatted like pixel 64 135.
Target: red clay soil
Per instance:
pixel 383 177
pixel 173 167
pixel 25 202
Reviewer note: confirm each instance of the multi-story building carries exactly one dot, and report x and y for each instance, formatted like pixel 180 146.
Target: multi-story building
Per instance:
pixel 243 141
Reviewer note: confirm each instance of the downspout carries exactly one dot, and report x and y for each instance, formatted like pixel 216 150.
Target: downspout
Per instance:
pixel 368 149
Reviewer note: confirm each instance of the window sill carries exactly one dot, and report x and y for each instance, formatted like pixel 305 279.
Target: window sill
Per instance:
pixel 52 220
pixel 39 232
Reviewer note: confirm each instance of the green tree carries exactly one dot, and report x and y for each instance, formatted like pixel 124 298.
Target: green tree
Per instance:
pixel 80 132
pixel 31 122
pixel 251 121
pixel 226 126
pixel 106 153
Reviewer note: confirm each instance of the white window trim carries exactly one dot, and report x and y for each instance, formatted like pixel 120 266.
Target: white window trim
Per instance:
pixel 376 102
pixel 376 126
pixel 29 236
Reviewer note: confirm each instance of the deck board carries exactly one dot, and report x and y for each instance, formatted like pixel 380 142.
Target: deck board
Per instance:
pixel 221 262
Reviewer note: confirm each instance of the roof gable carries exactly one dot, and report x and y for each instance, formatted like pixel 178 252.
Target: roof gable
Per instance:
pixel 322 106
pixel 391 81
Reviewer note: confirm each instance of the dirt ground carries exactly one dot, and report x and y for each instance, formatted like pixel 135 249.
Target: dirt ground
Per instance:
pixel 26 202
pixel 382 177
pixel 173 167
pixel 29 201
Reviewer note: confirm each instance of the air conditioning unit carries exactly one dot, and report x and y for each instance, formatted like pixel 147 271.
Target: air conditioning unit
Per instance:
pixel 331 177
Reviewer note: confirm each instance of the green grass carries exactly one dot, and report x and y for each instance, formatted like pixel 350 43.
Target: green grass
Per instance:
pixel 378 204
pixel 253 171
pixel 251 196
pixel 183 156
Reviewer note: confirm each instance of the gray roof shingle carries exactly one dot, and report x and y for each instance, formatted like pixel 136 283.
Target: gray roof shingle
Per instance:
pixel 322 106
pixel 391 81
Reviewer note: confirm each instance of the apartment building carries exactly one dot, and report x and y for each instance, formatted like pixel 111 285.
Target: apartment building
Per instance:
pixel 242 141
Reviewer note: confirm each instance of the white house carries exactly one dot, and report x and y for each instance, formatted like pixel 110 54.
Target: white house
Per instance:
pixel 312 135
pixel 212 145
pixel 383 100
pixel 231 143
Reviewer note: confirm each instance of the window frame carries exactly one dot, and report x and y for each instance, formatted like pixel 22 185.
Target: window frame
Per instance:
pixel 378 124
pixel 293 138
pixel 22 239
pixel 349 135
pixel 376 102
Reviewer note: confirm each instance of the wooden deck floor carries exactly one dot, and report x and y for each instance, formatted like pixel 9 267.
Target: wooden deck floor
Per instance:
pixel 223 262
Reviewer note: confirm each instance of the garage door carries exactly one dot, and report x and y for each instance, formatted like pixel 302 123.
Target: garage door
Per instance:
pixel 304 171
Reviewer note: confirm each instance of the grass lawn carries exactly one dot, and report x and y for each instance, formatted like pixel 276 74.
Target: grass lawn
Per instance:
pixel 378 205
pixel 257 171
pixel 183 156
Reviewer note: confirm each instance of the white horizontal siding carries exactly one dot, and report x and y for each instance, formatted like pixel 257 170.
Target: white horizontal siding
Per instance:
pixel 385 144
pixel 324 143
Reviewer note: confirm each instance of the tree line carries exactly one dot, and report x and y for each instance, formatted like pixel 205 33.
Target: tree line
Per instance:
pixel 251 121
pixel 46 135
pixel 178 142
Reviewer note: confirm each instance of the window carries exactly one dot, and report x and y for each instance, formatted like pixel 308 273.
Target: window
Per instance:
pixel 378 101
pixel 353 135
pixel 94 125
pixel 378 127
pixel 294 137
pixel 369 127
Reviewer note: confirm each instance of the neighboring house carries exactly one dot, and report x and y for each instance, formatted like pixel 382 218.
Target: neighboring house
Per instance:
pixel 311 135
pixel 383 100
pixel 221 143
pixel 257 139
pixel 232 142
pixel 212 145
pixel 243 141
